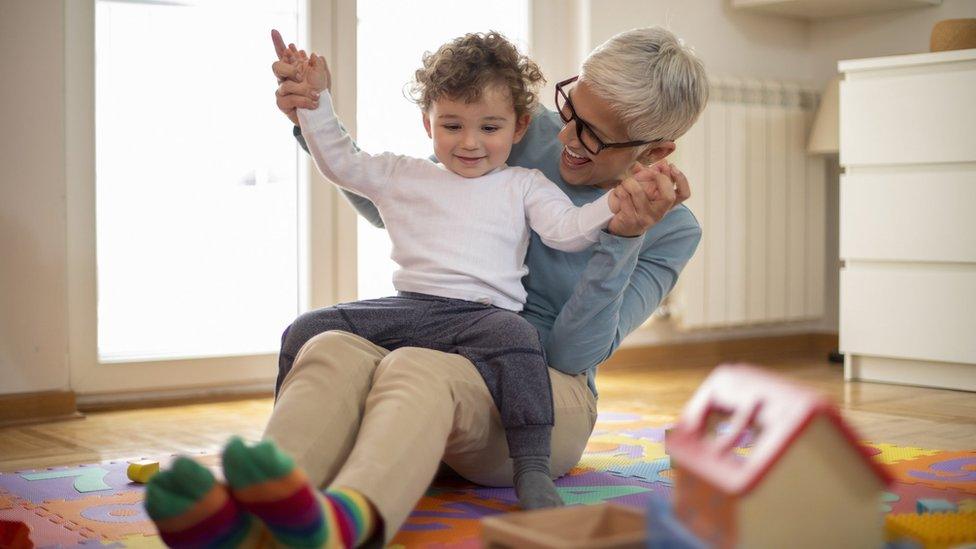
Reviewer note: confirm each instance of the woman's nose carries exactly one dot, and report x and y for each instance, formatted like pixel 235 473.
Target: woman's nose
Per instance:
pixel 567 135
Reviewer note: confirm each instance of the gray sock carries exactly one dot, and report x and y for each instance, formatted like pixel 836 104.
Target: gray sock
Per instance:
pixel 533 486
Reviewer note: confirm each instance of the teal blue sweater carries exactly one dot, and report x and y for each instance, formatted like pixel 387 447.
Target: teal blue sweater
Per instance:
pixel 585 303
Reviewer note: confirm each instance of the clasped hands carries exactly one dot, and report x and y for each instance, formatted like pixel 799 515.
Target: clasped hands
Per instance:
pixel 639 201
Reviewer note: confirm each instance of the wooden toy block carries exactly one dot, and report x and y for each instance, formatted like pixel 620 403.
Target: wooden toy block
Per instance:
pixel 935 506
pixel 602 526
pixel 140 471
pixel 933 530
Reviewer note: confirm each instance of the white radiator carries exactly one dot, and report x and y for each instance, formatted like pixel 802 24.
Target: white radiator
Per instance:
pixel 760 200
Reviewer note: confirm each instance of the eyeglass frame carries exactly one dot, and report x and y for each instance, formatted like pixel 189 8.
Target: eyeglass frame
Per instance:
pixel 581 124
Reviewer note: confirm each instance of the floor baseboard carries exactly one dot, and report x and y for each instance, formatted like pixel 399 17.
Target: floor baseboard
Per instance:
pixel 40 407
pixel 714 352
pixel 101 402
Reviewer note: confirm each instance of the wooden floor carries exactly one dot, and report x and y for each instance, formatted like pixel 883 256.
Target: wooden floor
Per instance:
pixel 908 416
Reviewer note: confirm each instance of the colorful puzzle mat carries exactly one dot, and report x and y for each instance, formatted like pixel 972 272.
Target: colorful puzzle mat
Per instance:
pixel 96 505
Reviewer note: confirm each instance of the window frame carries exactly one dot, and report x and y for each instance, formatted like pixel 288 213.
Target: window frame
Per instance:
pixel 325 268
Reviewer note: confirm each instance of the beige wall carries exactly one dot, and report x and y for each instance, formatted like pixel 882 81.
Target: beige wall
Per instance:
pixel 731 43
pixel 891 33
pixel 33 300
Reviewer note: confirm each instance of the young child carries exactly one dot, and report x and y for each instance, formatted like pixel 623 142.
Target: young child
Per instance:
pixel 460 230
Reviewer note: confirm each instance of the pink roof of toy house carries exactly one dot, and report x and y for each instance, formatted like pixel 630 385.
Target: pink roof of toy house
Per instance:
pixel 773 409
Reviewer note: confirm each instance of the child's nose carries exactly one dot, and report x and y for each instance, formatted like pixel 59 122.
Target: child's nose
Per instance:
pixel 469 141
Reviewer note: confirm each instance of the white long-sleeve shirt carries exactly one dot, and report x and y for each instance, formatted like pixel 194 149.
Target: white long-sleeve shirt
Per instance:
pixel 453 236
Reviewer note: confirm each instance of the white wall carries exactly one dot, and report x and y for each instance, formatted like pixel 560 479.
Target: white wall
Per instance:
pixel 890 33
pixel 33 268
pixel 730 42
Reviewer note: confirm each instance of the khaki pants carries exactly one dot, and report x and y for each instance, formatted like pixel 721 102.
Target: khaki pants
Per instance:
pixel 355 415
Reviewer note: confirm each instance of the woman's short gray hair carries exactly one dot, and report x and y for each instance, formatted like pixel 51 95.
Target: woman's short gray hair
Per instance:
pixel 651 79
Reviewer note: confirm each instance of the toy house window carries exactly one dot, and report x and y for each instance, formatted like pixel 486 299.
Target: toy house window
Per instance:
pixel 719 424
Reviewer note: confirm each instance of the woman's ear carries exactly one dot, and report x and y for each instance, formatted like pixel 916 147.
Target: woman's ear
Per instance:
pixel 656 152
pixel 427 123
pixel 521 125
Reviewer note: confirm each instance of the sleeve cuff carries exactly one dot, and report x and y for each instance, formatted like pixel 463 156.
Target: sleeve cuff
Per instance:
pixel 311 120
pixel 596 215
pixel 621 246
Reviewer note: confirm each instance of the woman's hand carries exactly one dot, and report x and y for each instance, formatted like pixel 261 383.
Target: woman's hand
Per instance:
pixel 293 91
pixel 646 197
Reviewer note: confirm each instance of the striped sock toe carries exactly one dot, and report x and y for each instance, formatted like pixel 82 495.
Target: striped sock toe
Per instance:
pixel 191 509
pixel 268 485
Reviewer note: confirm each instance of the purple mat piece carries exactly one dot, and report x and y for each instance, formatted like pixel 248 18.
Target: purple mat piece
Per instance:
pixel 103 513
pixel 952 470
pixel 653 434
pixel 37 491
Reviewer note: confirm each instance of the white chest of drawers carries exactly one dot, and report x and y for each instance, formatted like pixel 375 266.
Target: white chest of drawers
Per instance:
pixel 908 219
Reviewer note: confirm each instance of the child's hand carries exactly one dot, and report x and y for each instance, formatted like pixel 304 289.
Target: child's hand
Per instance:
pixel 646 197
pixel 315 72
pixel 614 200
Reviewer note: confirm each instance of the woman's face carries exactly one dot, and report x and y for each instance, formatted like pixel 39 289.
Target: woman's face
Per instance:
pixel 577 166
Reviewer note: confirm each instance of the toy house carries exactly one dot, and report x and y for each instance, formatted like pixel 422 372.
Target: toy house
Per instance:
pixel 805 482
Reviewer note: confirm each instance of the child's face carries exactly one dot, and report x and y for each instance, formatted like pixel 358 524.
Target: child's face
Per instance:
pixel 471 139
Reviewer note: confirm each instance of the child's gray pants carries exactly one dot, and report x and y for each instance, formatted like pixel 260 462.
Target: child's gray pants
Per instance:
pixel 503 346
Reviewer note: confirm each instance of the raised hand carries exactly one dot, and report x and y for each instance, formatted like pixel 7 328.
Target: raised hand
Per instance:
pixel 289 57
pixel 293 92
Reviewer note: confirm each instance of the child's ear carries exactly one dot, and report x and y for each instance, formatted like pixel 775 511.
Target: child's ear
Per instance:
pixel 427 123
pixel 521 125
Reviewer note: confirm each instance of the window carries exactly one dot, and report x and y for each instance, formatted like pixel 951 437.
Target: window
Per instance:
pixel 196 180
pixel 392 37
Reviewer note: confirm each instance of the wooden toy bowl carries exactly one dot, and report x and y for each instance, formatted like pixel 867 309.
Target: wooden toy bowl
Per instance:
pixel 953 34
pixel 602 526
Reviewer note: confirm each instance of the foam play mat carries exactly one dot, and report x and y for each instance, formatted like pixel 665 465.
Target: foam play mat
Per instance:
pixel 96 505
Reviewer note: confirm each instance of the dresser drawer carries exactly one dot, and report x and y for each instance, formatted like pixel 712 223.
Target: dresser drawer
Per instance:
pixel 917 114
pixel 909 214
pixel 909 311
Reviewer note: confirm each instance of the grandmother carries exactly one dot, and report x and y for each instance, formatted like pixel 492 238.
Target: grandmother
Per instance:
pixel 355 415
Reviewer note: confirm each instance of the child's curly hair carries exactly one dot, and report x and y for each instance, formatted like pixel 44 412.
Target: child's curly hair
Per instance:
pixel 463 68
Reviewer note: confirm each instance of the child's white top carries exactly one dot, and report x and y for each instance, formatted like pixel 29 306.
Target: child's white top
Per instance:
pixel 453 236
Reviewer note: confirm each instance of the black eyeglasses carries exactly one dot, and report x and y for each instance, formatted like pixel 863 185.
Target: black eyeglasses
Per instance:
pixel 584 132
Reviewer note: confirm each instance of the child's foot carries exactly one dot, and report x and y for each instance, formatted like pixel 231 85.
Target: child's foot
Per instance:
pixel 533 486
pixel 191 509
pixel 266 482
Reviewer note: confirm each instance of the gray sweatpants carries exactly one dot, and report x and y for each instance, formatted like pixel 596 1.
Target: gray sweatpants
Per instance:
pixel 503 346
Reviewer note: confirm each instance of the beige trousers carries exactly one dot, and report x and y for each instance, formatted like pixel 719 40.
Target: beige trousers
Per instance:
pixel 356 415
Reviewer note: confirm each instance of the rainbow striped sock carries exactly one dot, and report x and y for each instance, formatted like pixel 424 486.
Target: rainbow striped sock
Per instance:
pixel 267 484
pixel 191 509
